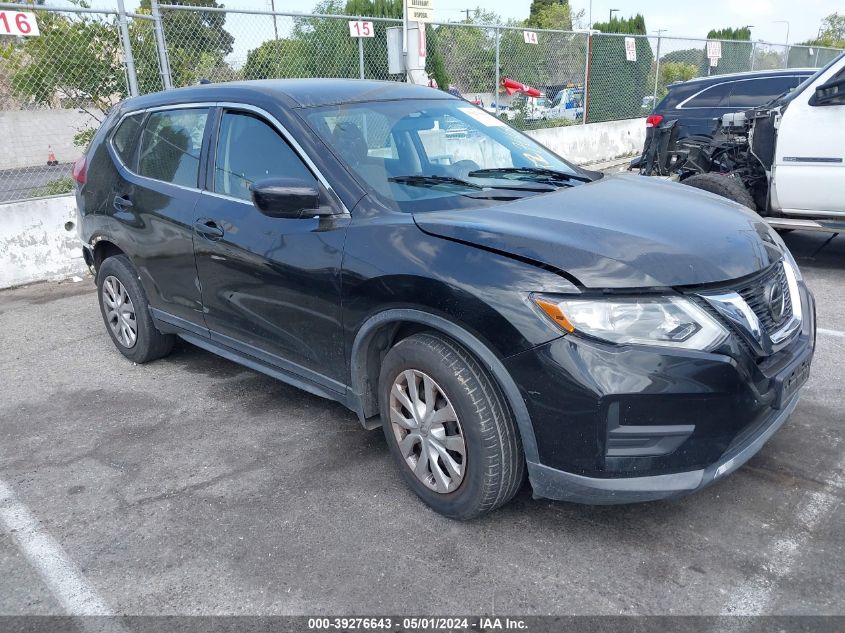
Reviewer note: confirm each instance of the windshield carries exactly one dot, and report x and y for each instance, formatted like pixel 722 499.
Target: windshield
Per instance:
pixel 438 154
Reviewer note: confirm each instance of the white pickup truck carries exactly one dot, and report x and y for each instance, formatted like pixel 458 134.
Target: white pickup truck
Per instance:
pixel 786 159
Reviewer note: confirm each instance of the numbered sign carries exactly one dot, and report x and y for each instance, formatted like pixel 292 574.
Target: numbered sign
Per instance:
pixel 530 37
pixel 18 23
pixel 630 49
pixel 361 28
pixel 714 50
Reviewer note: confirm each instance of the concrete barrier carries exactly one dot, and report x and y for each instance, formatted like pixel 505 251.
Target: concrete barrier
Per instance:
pixel 38 241
pixel 594 142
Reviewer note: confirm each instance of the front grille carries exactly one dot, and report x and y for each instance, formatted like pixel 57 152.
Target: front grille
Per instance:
pixel 756 295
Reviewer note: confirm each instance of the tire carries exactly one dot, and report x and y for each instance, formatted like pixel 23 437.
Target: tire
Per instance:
pixel 492 466
pixel 148 343
pixel 728 187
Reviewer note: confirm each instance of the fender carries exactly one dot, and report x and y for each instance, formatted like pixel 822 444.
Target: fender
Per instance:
pixel 360 382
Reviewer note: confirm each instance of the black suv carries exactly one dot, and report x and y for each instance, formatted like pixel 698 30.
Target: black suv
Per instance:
pixel 699 103
pixel 493 308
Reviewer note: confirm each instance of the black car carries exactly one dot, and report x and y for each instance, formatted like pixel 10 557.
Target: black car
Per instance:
pixel 493 308
pixel 699 103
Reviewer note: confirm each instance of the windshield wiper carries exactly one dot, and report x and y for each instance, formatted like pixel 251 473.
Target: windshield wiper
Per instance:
pixel 433 181
pixel 529 173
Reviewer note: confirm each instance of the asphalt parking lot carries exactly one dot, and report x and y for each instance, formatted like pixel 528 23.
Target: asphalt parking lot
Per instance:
pixel 194 486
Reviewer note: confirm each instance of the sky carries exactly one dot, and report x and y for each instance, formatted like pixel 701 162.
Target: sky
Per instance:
pixel 680 18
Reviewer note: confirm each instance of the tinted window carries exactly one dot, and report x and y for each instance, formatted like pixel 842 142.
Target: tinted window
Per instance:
pixel 124 139
pixel 710 97
pixel 248 150
pixel 755 92
pixel 170 146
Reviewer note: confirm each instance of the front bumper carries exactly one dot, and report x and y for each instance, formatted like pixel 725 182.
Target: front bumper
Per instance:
pixel 557 484
pixel 619 424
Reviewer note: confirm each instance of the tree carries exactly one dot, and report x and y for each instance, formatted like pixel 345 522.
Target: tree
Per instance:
pixel 819 51
pixel 831 33
pixel 469 53
pixel 197 42
pixel 617 86
pixel 742 33
pixel 75 61
pixel 551 14
pixel 275 59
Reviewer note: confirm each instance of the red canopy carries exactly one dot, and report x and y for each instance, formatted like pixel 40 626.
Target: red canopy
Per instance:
pixel 512 86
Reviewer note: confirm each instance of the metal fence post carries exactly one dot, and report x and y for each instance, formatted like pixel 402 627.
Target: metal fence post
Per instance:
pixel 127 49
pixel 161 47
pixel 656 70
pixel 587 56
pixel 753 53
pixel 786 56
pixel 361 57
pixel 498 79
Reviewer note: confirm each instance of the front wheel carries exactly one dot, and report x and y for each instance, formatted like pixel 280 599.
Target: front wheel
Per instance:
pixel 448 427
pixel 723 185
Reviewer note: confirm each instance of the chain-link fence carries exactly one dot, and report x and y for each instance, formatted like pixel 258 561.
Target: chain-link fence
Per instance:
pixel 54 88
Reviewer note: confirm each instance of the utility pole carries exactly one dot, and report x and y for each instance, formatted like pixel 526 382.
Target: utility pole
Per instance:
pixel 467 12
pixel 275 24
pixel 657 65
pixel 610 15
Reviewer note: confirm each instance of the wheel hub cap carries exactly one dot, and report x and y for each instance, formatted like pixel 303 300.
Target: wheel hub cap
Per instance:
pixel 120 312
pixel 428 431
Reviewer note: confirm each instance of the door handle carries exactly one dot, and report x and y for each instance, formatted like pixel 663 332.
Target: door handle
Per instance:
pixel 121 203
pixel 209 229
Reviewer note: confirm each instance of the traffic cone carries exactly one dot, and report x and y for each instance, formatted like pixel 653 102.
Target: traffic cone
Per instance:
pixel 51 157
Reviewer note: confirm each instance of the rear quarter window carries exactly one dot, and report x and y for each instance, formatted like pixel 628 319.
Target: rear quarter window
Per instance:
pixel 125 137
pixel 711 97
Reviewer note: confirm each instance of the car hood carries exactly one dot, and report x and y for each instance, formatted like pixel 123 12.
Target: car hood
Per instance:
pixel 622 231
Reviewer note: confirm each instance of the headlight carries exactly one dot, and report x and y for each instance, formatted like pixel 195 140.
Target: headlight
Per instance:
pixel 793 276
pixel 666 321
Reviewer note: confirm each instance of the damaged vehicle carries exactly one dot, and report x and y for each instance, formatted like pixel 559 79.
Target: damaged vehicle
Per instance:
pixel 497 311
pixel 785 160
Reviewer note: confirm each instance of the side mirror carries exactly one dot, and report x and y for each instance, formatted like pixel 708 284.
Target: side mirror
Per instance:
pixel 830 93
pixel 287 198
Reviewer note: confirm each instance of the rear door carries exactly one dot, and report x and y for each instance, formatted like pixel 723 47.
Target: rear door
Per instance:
pixel 270 286
pixel 154 203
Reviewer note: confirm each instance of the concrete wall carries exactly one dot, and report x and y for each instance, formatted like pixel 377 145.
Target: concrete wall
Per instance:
pixel 594 142
pixel 27 134
pixel 38 241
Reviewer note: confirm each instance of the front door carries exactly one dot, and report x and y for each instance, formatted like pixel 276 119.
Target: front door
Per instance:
pixel 810 152
pixel 270 286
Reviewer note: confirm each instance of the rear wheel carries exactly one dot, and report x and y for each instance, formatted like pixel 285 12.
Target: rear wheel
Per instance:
pixel 126 313
pixel 723 185
pixel 448 427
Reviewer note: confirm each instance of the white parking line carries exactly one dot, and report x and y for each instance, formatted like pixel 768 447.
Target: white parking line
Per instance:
pixel 822 330
pixel 754 596
pixel 54 566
